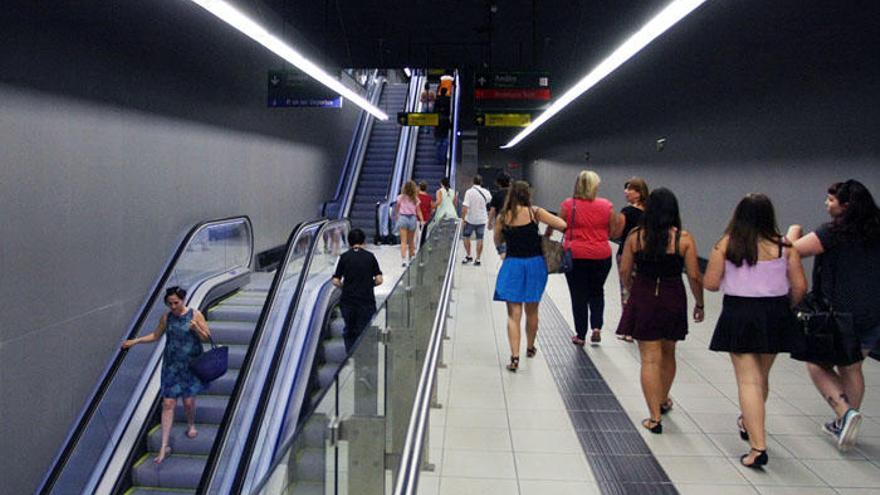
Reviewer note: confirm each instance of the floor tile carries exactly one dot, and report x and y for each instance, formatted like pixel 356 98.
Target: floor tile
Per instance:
pixel 546 487
pixel 732 446
pixel 547 441
pixel 794 490
pixel 477 439
pixel 476 418
pixel 701 470
pixel 781 472
pixel 560 467
pixel 814 447
pixel 680 444
pixel 476 486
pixel 428 484
pixel 703 489
pixel 847 474
pixel 478 464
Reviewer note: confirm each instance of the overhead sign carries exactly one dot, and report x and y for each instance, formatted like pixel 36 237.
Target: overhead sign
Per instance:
pixel 294 89
pixel 503 119
pixel 512 86
pixel 417 119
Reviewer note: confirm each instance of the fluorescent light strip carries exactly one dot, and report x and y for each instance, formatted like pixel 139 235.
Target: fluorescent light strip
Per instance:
pixel 673 13
pixel 258 33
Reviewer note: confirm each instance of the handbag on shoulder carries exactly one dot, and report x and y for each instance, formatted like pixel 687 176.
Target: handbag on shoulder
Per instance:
pixel 827 336
pixel 212 364
pixel 556 255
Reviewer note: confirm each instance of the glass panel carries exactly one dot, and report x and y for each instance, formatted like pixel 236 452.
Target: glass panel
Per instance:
pixel 372 399
pixel 216 248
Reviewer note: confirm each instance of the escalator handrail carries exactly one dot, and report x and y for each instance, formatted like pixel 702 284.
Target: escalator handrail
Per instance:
pixel 411 456
pixel 109 373
pixel 268 385
pixel 452 166
pixel 235 396
pixel 355 173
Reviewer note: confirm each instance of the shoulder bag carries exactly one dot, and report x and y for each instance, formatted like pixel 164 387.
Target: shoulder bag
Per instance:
pixel 826 335
pixel 556 255
pixel 212 364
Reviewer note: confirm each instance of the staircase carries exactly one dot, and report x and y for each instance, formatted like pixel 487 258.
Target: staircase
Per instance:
pixel 372 185
pixel 426 167
pixel 232 323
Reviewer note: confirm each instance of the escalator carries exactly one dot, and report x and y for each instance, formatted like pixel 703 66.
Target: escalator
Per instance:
pixel 379 161
pixel 427 165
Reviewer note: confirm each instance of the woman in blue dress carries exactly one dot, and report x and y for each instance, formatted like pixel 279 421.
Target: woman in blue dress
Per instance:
pixel 185 329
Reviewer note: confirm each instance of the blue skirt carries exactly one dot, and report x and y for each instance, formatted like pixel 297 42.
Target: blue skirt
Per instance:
pixel 521 280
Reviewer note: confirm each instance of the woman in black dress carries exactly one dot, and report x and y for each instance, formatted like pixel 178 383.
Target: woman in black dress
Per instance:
pixel 636 192
pixel 656 312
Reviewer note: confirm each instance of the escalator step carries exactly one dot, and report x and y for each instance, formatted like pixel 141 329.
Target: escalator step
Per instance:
pixel 209 409
pixel 234 312
pixel 231 332
pixel 176 471
pixel 143 490
pixel 224 384
pixel 236 355
pixel 180 443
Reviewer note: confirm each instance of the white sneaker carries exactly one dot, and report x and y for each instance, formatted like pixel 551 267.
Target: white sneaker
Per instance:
pixel 849 429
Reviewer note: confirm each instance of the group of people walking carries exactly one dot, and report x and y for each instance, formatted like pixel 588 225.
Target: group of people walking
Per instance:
pixel 758 269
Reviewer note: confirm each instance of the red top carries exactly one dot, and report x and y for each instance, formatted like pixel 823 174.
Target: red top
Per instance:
pixel 587 233
pixel 425 205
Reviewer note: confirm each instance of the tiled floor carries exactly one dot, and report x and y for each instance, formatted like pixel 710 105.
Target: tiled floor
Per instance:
pixel 499 432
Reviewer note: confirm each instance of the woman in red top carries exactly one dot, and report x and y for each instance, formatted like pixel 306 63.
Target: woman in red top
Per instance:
pixel 591 222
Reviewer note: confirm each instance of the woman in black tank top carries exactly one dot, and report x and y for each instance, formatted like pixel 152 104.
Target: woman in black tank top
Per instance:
pixel 523 274
pixel 656 312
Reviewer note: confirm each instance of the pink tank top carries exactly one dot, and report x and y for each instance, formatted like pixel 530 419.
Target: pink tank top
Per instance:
pixel 406 205
pixel 764 279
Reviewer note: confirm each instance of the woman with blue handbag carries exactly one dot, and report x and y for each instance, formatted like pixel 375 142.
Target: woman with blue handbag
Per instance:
pixel 185 330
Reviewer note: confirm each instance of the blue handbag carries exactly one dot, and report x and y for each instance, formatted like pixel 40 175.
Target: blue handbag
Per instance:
pixel 212 364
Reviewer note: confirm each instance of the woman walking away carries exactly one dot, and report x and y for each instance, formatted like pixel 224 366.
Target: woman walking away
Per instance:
pixel 761 279
pixel 845 272
pixel 636 192
pixel 185 329
pixel 656 312
pixel 409 217
pixel 591 222
pixel 523 272
pixel 444 204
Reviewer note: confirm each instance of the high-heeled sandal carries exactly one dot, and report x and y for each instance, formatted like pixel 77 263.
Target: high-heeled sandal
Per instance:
pixel 531 351
pixel 654 426
pixel 514 364
pixel 666 406
pixel 760 460
pixel 743 434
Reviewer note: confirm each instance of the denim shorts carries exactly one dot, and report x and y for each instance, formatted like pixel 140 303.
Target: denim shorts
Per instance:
pixel 470 228
pixel 408 222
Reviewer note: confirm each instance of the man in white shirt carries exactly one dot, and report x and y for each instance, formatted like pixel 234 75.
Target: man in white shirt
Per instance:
pixel 474 215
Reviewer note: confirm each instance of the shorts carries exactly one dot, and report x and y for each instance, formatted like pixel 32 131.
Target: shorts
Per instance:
pixel 470 228
pixel 408 222
pixel 869 337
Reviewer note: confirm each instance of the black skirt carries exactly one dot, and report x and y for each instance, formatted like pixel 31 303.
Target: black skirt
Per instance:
pixel 762 325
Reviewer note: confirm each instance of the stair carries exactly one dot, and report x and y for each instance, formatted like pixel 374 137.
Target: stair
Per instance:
pixel 232 323
pixel 426 167
pixel 378 166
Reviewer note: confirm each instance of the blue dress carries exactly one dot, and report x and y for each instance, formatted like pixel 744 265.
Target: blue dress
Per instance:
pixel 181 345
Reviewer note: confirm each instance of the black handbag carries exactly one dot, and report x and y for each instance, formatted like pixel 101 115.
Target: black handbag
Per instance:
pixel 212 364
pixel 827 336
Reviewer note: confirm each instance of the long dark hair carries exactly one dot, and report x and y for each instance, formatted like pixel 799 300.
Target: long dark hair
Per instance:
pixel 861 218
pixel 517 196
pixel 661 214
pixel 753 219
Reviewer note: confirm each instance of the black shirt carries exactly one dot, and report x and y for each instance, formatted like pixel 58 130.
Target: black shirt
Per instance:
pixel 632 215
pixel 498 198
pixel 848 276
pixel 356 268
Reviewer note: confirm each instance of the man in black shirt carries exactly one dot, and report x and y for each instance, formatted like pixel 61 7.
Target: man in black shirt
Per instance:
pixel 357 273
pixel 498 197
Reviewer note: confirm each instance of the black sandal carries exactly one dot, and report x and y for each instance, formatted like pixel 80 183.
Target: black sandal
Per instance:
pixel 514 364
pixel 531 351
pixel 743 434
pixel 760 460
pixel 666 406
pixel 652 425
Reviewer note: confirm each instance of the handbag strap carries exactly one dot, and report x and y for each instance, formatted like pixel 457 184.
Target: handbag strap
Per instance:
pixel 571 216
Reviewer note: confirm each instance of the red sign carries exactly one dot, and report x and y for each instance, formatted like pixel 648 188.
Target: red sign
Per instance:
pixel 540 94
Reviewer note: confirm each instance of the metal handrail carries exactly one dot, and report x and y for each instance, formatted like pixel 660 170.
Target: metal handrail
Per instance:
pixel 87 412
pixel 232 407
pixel 453 148
pixel 248 454
pixel 411 457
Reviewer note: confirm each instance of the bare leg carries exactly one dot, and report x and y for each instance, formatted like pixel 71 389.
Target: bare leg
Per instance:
pixel 514 316
pixel 830 385
pixel 479 248
pixel 411 243
pixel 750 380
pixel 189 407
pixel 652 383
pixel 403 243
pixel 668 367
pixel 467 247
pixel 167 421
pixel 853 381
pixel 531 323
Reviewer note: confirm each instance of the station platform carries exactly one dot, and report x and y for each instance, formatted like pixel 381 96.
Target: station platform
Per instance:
pixel 568 422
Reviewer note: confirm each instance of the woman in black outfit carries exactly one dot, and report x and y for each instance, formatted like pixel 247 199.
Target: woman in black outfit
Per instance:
pixel 636 192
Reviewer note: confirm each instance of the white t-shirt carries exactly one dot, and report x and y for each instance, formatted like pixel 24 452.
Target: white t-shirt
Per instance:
pixel 476 198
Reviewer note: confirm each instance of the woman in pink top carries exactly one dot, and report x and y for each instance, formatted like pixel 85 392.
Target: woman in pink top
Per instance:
pixel 761 279
pixel 409 217
pixel 591 222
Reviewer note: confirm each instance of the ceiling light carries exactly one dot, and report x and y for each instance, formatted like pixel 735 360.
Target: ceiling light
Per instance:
pixel 258 33
pixel 667 18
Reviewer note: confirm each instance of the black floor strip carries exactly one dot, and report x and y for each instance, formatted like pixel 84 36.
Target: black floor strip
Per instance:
pixel 621 461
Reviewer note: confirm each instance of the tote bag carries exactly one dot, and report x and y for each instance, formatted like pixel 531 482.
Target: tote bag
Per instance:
pixel 211 365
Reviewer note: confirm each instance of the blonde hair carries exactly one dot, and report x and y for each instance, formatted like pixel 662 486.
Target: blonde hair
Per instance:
pixel 411 190
pixel 586 186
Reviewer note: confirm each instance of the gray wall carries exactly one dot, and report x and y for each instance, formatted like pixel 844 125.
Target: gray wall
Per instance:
pixel 120 128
